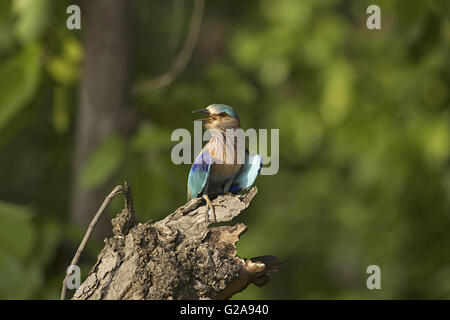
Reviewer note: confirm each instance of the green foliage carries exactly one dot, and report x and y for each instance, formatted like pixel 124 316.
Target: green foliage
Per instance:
pixel 32 18
pixel 104 162
pixel 20 76
pixel 64 68
pixel 24 251
pixel 16 220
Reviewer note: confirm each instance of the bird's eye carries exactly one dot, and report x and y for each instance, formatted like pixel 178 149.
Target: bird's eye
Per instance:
pixel 223 114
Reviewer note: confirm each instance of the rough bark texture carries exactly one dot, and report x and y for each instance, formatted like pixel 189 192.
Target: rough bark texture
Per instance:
pixel 179 257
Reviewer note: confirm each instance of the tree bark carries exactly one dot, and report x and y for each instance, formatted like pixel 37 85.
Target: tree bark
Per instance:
pixel 178 257
pixel 104 89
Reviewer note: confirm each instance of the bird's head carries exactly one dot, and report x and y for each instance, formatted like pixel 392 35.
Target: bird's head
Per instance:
pixel 220 116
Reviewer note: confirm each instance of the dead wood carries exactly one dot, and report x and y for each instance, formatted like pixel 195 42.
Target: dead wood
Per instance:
pixel 178 257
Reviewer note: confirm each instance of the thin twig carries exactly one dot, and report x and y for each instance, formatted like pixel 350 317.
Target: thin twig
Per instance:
pixel 183 57
pixel 116 191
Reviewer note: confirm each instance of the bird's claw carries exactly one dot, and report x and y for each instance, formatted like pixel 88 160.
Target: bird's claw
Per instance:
pixel 209 209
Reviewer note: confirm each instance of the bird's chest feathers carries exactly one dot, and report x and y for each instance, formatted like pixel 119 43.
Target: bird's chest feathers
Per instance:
pixel 224 154
pixel 222 172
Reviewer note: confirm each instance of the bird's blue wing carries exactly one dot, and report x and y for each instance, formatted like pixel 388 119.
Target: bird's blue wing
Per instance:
pixel 198 176
pixel 246 176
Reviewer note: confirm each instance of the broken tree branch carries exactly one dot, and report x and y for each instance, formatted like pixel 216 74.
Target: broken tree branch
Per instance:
pixel 178 257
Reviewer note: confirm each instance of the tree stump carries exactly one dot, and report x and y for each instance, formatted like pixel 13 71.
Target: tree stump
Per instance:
pixel 178 257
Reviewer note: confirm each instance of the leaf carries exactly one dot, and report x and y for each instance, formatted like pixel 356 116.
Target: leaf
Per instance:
pixel 61 114
pixel 104 162
pixel 337 93
pixel 73 49
pixel 33 18
pixel 150 137
pixel 65 67
pixel 17 233
pixel 61 71
pixel 20 79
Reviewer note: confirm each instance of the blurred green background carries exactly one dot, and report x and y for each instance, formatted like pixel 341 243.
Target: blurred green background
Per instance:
pixel 364 119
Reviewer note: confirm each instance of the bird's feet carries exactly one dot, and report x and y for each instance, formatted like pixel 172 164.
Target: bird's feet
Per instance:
pixel 210 209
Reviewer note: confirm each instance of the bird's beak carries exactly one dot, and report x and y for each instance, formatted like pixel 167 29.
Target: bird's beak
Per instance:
pixel 204 111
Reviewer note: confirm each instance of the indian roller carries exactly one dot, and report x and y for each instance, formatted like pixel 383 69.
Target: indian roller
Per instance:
pixel 216 170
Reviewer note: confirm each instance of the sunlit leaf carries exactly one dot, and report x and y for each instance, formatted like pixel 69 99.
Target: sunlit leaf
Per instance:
pixel 103 162
pixel 20 78
pixel 65 67
pixel 150 138
pixel 33 18
pixel 337 93
pixel 63 71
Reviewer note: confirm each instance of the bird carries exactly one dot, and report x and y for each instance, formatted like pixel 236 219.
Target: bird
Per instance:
pixel 216 170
